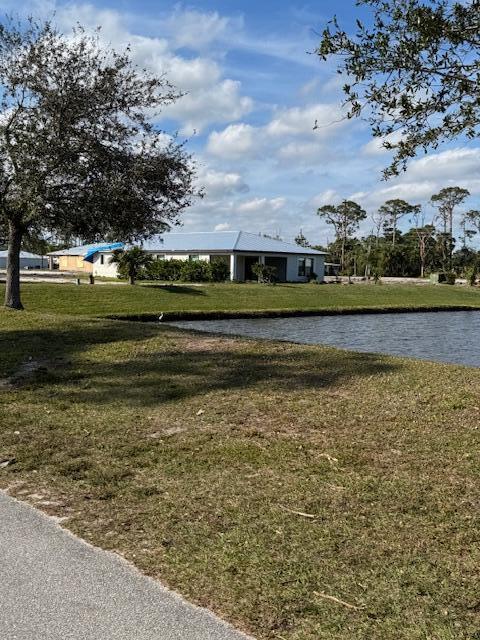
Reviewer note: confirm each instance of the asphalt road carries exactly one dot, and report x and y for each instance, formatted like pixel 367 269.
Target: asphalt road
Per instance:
pixel 54 586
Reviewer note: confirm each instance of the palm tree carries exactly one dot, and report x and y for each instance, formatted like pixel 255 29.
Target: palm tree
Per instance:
pixel 131 262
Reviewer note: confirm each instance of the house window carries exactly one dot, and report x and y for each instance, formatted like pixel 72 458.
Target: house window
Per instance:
pixel 159 256
pixel 102 259
pixel 305 267
pixel 194 257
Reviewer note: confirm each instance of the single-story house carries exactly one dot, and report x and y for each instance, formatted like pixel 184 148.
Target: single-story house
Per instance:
pixel 27 260
pixel 239 249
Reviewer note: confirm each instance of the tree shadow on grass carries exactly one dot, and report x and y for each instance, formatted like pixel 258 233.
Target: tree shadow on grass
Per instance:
pixel 178 288
pixel 125 372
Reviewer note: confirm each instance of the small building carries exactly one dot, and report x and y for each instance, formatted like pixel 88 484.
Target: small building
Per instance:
pixel 239 249
pixel 332 268
pixel 27 260
pixel 80 259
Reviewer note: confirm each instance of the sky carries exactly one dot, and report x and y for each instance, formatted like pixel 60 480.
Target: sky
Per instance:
pixel 254 89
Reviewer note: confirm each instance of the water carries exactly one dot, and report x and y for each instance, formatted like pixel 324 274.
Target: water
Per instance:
pixel 445 336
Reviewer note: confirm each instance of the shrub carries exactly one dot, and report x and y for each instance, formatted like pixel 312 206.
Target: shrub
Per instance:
pixel 164 270
pixel 131 263
pixel 195 271
pixel 218 271
pixel 265 273
pixel 471 275
pixel 187 270
pixel 449 277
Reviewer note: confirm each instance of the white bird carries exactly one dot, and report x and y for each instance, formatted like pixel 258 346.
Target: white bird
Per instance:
pixel 160 317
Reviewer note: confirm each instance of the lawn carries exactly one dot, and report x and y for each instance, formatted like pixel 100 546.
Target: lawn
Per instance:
pixel 122 299
pixel 303 493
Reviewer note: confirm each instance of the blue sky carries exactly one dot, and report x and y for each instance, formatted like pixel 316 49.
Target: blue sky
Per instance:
pixel 253 96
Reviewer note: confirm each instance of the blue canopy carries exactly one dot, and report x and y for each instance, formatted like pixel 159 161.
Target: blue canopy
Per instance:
pixel 88 257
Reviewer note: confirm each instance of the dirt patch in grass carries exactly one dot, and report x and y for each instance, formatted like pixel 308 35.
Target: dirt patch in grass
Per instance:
pixel 303 493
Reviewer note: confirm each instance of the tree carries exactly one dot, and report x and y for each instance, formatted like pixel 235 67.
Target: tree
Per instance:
pixel 393 210
pixel 413 73
pixel 345 219
pixel 446 200
pixel 78 154
pixel 131 262
pixel 301 240
pixel 472 217
pixel 424 234
pixel 378 218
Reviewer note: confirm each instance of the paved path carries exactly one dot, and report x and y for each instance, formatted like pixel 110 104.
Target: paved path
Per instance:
pixel 54 586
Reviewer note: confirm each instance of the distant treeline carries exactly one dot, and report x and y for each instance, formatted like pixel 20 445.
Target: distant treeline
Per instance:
pixel 425 248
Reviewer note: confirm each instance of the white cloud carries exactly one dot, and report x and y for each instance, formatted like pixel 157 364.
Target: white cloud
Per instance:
pixel 221 102
pixel 329 196
pixel 219 184
pixel 290 135
pixel 195 29
pixel 234 141
pixel 302 120
pixel 210 98
pixel 375 147
pixel 261 205
pixel 426 176
pixel 303 153
pixel 223 226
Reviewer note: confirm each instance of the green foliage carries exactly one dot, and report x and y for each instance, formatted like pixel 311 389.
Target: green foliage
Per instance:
pixel 131 263
pixel 265 273
pixel 345 219
pixel 195 271
pixel 79 156
pixel 393 211
pixel 301 240
pixel 218 271
pixel 445 277
pixel 165 270
pixel 412 67
pixel 187 271
pixel 472 274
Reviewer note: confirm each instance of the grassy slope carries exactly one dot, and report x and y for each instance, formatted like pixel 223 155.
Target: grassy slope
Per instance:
pixel 108 299
pixel 380 450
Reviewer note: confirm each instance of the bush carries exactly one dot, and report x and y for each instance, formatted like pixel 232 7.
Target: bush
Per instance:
pixel 471 275
pixel 218 271
pixel 187 270
pixel 164 270
pixel 194 271
pixel 447 277
pixel 264 273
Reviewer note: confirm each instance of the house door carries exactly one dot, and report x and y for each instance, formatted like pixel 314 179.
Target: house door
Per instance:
pixel 280 265
pixel 249 262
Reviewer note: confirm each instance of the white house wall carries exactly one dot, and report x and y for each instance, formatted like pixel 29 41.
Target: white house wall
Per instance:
pixel 105 270
pixel 292 267
pixel 109 270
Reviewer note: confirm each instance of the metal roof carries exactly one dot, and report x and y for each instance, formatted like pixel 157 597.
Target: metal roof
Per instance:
pixel 85 249
pixel 200 241
pixel 88 257
pixel 23 254
pixel 228 241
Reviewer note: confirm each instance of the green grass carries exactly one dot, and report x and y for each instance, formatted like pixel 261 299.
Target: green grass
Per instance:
pixel 190 454
pixel 118 299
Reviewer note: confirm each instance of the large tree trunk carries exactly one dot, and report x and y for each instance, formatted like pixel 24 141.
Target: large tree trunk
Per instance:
pixel 12 291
